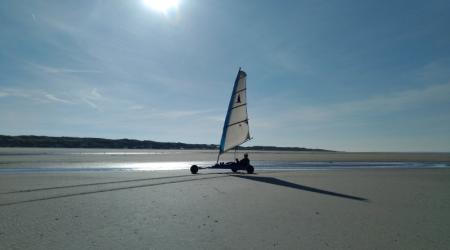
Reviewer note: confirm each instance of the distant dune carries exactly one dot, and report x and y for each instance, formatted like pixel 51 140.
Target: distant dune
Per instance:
pixel 78 142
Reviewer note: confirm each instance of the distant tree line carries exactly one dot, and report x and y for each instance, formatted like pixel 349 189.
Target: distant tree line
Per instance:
pixel 77 142
pixel 274 148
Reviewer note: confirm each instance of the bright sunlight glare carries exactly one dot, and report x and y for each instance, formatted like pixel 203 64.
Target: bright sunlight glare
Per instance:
pixel 162 6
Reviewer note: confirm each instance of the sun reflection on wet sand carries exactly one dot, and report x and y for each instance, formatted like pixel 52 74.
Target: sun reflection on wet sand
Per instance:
pixel 154 166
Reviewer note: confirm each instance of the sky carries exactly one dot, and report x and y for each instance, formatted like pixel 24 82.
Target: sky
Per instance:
pixel 341 75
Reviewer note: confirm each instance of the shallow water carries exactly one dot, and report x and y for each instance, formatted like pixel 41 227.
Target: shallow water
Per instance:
pixel 21 160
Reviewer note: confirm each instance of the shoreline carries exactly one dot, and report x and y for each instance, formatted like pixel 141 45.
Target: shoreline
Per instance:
pixel 50 155
pixel 145 168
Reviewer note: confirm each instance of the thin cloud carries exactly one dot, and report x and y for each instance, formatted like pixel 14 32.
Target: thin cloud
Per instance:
pixel 173 83
pixel 34 95
pixel 91 104
pixel 56 99
pixel 216 118
pixel 175 114
pixel 95 94
pixel 136 107
pixel 92 98
pixel 399 101
pixel 59 70
pixel 17 93
pixel 394 102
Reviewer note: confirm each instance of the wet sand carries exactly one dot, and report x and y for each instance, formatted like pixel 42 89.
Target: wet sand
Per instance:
pixel 60 157
pixel 340 209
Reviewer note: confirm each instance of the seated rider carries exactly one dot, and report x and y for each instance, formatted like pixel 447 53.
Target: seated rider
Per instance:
pixel 244 162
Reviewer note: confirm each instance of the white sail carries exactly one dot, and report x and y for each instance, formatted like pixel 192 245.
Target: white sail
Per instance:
pixel 236 128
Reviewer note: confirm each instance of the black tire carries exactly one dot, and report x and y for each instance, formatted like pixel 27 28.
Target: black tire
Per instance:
pixel 234 168
pixel 250 169
pixel 194 169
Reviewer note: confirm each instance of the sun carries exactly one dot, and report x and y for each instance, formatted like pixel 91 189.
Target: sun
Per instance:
pixel 163 6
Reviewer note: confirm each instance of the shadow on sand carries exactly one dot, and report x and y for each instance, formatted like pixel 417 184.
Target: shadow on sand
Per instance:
pixel 64 195
pixel 275 181
pixel 166 180
pixel 101 183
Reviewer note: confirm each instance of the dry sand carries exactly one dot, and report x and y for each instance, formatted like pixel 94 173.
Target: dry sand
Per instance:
pixel 340 209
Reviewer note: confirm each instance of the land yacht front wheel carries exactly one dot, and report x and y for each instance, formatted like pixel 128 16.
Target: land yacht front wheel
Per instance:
pixel 194 169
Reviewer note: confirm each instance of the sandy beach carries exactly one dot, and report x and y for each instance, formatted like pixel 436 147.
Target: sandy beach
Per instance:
pixel 340 209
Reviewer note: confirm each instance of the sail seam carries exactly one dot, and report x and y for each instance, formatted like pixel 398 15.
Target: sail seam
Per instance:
pixel 239 91
pixel 238 144
pixel 246 120
pixel 239 106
